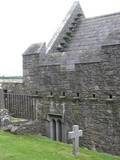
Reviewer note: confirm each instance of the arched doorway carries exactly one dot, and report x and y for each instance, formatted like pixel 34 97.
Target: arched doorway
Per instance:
pixel 54 129
pixel 59 123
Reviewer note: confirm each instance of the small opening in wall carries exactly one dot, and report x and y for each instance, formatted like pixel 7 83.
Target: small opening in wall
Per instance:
pixel 5 93
pixel 94 95
pixel 78 94
pixel 63 94
pixel 110 96
pixel 51 93
pixel 36 92
pixel 5 90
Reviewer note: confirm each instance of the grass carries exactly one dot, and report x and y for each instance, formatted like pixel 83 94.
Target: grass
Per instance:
pixel 14 147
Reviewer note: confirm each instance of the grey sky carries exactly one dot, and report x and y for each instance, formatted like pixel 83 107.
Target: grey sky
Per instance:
pixel 23 22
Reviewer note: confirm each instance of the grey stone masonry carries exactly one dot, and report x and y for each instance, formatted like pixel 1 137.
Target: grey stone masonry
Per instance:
pixel 2 105
pixel 77 80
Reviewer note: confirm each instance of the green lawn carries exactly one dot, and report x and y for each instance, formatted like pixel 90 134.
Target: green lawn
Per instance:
pixel 14 147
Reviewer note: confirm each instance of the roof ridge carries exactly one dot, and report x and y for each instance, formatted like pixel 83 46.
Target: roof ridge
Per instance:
pixel 105 15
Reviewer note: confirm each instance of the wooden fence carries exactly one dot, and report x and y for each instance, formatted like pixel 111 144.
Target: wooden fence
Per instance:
pixel 21 106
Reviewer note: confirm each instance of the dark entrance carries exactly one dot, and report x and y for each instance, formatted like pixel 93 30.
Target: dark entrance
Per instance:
pixel 54 129
pixel 59 123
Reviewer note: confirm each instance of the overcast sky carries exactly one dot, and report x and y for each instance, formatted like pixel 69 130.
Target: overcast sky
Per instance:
pixel 23 22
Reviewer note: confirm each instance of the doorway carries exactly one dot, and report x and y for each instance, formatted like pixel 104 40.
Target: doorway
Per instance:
pixel 56 127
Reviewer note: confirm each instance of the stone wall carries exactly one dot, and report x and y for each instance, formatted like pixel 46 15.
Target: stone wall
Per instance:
pixel 30 63
pixel 1 99
pixel 99 120
pixel 30 127
pixel 86 94
pixel 14 87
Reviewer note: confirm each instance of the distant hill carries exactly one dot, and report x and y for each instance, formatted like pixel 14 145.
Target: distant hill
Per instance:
pixel 11 77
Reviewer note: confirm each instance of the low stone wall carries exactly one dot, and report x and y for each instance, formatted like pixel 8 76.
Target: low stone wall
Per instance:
pixel 25 127
pixel 13 87
pixel 31 127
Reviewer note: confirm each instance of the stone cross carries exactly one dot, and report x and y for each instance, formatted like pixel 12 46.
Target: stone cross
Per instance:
pixel 74 135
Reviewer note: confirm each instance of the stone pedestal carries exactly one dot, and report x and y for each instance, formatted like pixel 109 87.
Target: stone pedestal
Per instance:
pixel 4 118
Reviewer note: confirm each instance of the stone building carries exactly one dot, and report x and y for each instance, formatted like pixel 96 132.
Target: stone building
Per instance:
pixel 77 80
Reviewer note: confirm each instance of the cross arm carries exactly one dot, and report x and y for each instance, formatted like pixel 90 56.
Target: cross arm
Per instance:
pixel 71 135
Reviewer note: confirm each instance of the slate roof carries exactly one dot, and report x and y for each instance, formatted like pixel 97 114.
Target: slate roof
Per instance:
pixel 85 45
pixel 95 32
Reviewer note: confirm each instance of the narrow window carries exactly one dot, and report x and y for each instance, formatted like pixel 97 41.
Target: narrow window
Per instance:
pixel 36 92
pixel 78 94
pixel 110 96
pixel 63 94
pixel 5 93
pixel 51 93
pixel 5 90
pixel 93 95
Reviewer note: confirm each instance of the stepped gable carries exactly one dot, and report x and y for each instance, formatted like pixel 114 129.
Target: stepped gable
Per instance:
pixel 79 39
pixel 66 30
